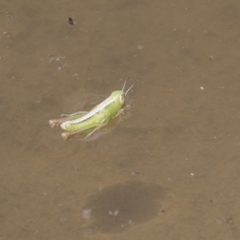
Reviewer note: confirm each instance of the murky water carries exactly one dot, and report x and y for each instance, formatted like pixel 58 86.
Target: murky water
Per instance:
pixel 170 169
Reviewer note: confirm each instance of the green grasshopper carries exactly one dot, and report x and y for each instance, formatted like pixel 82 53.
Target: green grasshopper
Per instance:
pixel 96 118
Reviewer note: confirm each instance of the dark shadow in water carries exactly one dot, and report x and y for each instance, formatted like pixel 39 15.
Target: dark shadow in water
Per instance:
pixel 118 207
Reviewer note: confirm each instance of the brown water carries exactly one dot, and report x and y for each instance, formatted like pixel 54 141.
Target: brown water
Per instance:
pixel 170 169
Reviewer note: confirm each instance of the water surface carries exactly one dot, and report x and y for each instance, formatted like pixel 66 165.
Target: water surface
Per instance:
pixel 180 135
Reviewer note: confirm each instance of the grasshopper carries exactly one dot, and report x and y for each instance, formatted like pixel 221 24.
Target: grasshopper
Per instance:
pixel 96 118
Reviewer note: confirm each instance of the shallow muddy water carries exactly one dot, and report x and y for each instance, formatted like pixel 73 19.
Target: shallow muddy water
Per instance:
pixel 168 170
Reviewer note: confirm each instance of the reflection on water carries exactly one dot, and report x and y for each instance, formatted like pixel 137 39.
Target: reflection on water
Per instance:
pixel 118 207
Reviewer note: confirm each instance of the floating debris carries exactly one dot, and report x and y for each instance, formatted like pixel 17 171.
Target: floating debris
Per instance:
pixel 86 213
pixel 70 21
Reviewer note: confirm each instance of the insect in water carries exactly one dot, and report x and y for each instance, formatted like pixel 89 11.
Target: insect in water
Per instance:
pixel 96 118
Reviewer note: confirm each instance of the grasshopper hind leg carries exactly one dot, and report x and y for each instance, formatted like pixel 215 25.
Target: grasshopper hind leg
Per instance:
pixel 55 122
pixel 66 117
pixel 80 113
pixel 67 135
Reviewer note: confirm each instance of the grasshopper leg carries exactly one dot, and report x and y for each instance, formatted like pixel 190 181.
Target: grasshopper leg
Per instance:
pixel 55 122
pixel 73 114
pixel 119 113
pixel 65 117
pixel 95 129
pixel 66 135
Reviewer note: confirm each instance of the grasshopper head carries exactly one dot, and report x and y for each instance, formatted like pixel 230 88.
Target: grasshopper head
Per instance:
pixel 122 98
pixel 118 97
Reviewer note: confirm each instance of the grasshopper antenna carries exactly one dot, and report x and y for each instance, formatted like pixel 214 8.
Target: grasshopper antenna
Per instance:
pixel 129 90
pixel 125 83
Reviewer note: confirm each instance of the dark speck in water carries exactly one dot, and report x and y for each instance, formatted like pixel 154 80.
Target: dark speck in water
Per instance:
pixel 70 21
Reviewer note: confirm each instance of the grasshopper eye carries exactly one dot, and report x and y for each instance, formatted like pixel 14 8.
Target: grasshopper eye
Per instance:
pixel 122 99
